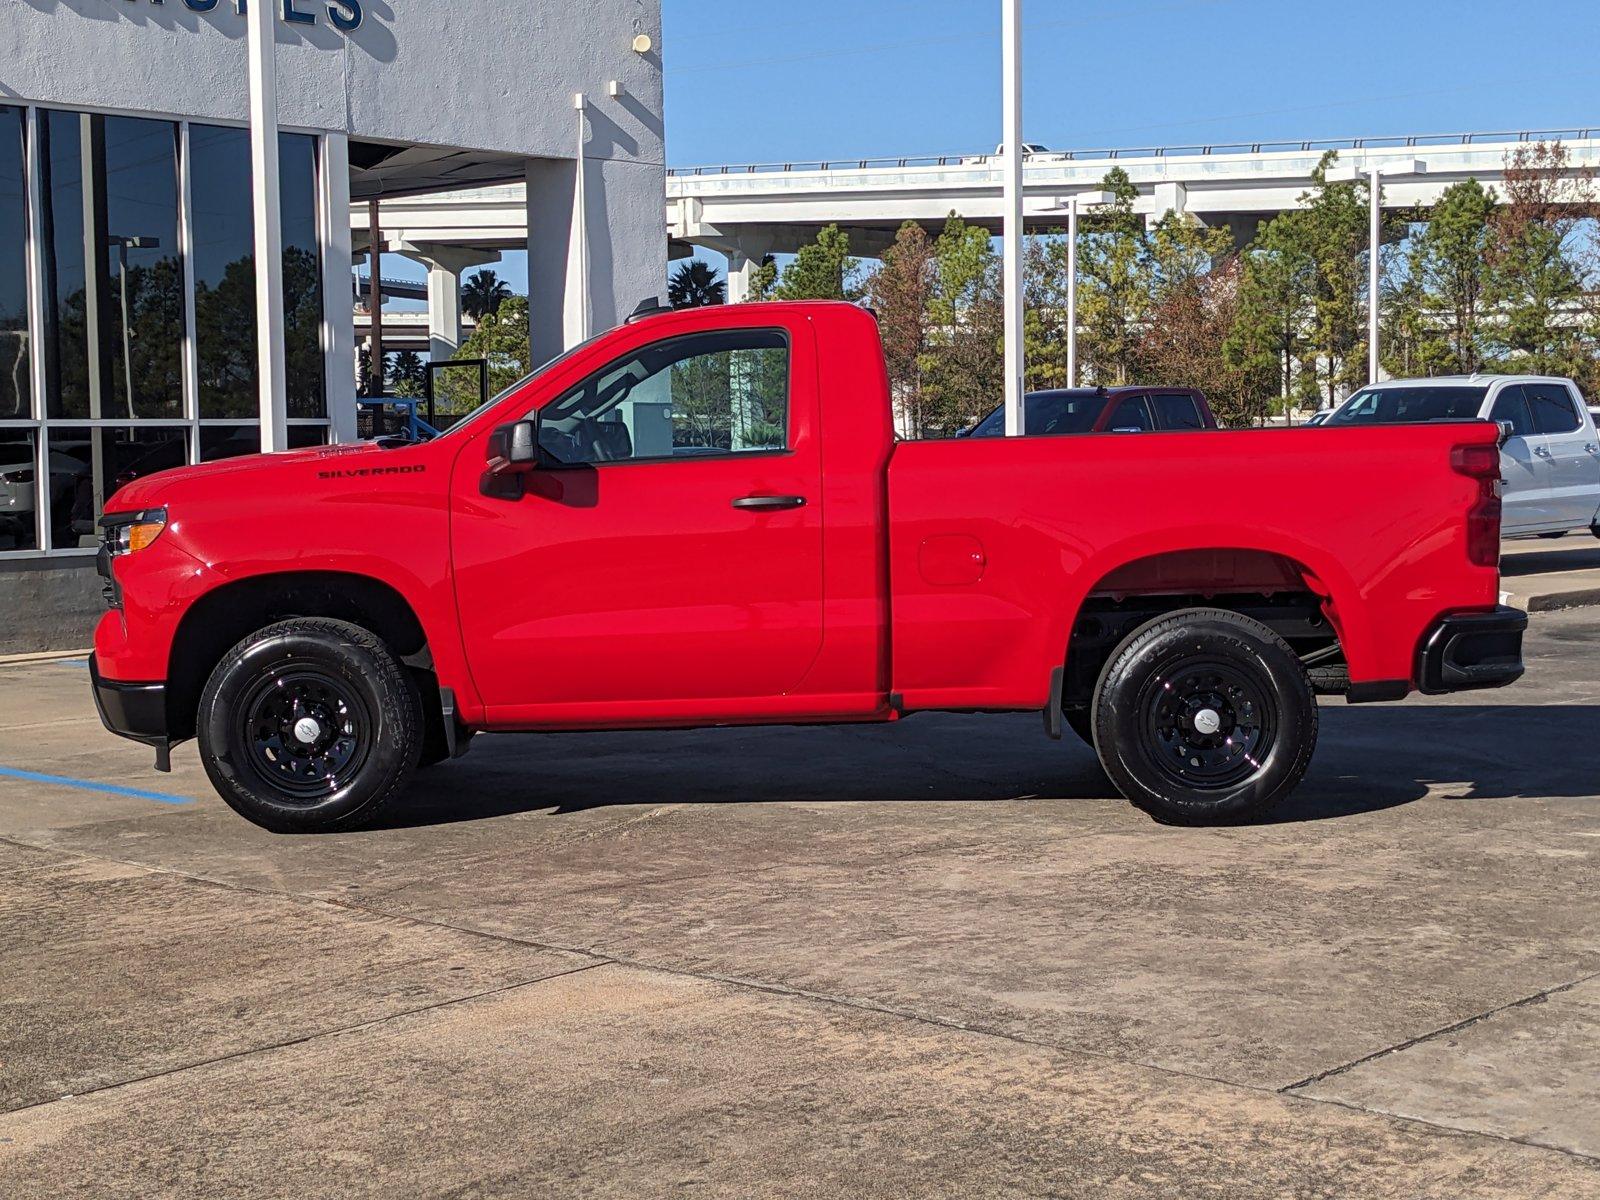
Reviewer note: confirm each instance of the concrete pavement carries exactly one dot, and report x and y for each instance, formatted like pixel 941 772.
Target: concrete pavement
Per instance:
pixel 936 958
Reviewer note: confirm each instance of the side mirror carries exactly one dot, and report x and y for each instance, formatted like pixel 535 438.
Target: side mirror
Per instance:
pixel 514 449
pixel 1507 431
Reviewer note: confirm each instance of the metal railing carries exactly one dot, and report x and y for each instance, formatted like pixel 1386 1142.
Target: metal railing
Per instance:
pixel 1408 141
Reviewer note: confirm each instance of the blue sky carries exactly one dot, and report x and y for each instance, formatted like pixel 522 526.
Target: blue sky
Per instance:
pixel 758 80
pixel 764 80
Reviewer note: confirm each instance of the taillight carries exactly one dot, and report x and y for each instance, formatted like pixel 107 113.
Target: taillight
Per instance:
pixel 1481 461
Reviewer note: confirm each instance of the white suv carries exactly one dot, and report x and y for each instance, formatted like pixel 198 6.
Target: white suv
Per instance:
pixel 1550 459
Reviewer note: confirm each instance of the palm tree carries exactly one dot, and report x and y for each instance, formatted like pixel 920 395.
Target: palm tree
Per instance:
pixel 695 285
pixel 407 374
pixel 482 294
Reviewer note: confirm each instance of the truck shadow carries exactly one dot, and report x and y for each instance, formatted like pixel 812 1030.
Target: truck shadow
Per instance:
pixel 1368 759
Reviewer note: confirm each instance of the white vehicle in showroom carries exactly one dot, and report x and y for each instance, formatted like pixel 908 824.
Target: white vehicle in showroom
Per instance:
pixel 1550 455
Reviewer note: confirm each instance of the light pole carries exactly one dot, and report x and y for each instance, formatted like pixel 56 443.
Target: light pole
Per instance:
pixel 1072 204
pixel 1373 173
pixel 123 245
pixel 273 398
pixel 1011 218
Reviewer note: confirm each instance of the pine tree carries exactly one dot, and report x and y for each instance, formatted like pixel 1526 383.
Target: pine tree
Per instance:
pixel 900 293
pixel 963 370
pixel 821 270
pixel 1532 282
pixel 1275 304
pixel 1449 267
pixel 1115 286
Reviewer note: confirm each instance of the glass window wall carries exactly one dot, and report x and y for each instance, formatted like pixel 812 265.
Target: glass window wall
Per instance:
pixel 95 220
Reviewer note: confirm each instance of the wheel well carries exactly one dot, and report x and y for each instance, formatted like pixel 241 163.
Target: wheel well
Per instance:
pixel 221 618
pixel 1279 592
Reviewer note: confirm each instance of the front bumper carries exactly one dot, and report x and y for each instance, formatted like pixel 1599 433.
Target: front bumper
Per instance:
pixel 133 710
pixel 1464 651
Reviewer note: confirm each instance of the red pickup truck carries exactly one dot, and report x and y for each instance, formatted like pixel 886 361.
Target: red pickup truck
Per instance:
pixel 704 518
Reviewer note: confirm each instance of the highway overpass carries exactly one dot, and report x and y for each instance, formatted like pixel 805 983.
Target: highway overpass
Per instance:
pixel 746 211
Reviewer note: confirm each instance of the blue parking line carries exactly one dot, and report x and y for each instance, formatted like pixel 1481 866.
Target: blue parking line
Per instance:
pixel 90 785
pixel 72 662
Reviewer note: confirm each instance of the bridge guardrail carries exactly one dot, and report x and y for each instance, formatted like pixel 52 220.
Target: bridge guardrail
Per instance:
pixel 1199 149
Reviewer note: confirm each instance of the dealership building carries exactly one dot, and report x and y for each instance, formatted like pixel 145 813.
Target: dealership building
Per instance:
pixel 128 322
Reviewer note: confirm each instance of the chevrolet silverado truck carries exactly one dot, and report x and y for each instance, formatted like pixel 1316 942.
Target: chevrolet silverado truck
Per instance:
pixel 705 518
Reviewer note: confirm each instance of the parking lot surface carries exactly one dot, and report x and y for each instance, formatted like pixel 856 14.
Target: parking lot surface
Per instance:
pixel 934 958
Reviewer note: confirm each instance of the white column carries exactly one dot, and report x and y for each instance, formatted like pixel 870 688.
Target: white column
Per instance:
pixel 1375 189
pixel 37 377
pixel 1011 232
pixel 1072 292
pixel 338 325
pixel 274 394
pixel 580 217
pixel 555 287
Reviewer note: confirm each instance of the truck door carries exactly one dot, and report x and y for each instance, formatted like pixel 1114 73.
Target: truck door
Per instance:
pixel 1527 482
pixel 666 559
pixel 1564 439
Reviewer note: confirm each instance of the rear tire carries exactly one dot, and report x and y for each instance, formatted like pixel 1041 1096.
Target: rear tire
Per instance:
pixel 1204 717
pixel 309 725
pixel 1556 533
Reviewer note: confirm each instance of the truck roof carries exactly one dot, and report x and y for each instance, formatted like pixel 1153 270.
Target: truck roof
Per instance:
pixel 1465 380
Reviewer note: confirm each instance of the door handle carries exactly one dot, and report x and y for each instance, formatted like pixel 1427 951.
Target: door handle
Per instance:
pixel 760 503
pixel 1542 451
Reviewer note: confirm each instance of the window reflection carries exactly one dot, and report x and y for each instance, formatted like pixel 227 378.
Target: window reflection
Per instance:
pixel 102 460
pixel 224 272
pixel 230 441
pixel 113 277
pixel 19 489
pixel 15 387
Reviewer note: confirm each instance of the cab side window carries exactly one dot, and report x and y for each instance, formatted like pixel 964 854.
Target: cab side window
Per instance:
pixel 706 394
pixel 1131 413
pixel 1177 411
pixel 1554 410
pixel 1512 406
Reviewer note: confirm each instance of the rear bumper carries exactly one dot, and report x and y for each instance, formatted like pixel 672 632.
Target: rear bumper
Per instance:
pixel 1465 651
pixel 132 710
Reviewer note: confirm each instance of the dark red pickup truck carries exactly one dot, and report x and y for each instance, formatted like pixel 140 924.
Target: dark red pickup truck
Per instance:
pixel 1104 410
pixel 704 518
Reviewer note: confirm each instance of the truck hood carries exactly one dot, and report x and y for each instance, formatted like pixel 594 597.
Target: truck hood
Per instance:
pixel 248 471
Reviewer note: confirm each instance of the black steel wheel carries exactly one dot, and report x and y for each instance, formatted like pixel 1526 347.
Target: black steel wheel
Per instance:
pixel 309 725
pixel 306 733
pixel 1210 723
pixel 1204 716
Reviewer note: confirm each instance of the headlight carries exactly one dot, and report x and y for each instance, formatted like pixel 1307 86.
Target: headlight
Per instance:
pixel 123 533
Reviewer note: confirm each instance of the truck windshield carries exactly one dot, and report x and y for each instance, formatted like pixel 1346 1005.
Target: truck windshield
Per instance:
pixel 1407 405
pixel 1048 412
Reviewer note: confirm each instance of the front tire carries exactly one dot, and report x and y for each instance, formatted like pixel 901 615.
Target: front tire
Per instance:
pixel 309 725
pixel 1204 717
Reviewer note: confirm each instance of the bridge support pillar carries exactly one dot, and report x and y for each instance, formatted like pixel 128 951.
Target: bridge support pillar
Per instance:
pixel 1169 197
pixel 741 275
pixel 445 265
pixel 745 256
